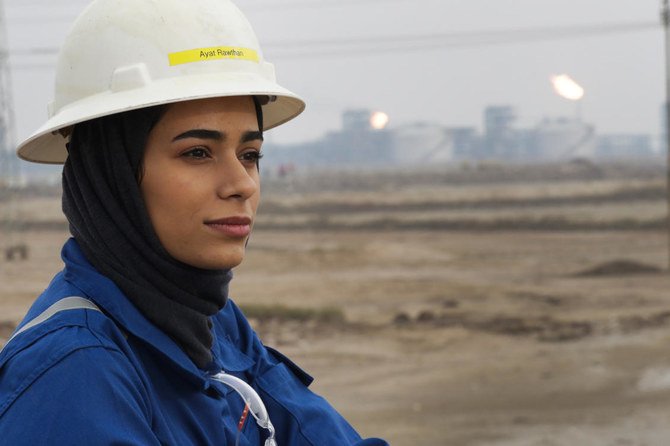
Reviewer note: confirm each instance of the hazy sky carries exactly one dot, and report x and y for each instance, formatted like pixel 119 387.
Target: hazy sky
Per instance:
pixel 329 52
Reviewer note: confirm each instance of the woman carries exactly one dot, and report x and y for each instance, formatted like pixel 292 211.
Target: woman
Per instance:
pixel 135 342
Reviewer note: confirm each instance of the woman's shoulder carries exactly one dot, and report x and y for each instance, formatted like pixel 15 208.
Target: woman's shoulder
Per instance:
pixel 70 368
pixel 61 337
pixel 69 373
pixel 61 319
pixel 55 326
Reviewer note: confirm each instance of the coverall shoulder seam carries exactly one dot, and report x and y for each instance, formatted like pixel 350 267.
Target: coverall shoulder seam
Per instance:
pixel 53 359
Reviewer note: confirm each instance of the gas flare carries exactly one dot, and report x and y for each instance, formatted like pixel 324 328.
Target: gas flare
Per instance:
pixel 566 87
pixel 379 120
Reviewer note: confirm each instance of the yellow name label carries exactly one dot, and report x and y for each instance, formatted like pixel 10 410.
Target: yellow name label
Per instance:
pixel 213 53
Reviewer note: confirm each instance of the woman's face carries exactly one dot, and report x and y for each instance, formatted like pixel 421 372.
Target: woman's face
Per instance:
pixel 200 180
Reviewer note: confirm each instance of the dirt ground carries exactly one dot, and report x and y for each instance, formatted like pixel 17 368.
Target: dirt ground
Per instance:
pixel 462 338
pixel 425 322
pixel 479 338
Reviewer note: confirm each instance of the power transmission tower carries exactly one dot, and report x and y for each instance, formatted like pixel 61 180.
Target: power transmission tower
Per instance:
pixel 9 176
pixel 665 20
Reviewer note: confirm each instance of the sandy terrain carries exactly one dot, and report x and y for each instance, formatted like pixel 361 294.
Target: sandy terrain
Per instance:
pixel 502 344
pixel 434 337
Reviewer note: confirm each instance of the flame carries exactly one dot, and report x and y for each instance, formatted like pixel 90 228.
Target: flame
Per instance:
pixel 566 87
pixel 379 120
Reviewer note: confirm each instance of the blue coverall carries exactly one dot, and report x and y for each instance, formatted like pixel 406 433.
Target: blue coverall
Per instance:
pixel 85 377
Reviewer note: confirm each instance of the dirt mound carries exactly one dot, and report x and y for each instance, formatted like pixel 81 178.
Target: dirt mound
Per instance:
pixel 619 267
pixel 543 328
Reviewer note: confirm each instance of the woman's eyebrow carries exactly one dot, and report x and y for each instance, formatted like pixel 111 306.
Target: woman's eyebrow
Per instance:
pixel 216 135
pixel 201 134
pixel 251 136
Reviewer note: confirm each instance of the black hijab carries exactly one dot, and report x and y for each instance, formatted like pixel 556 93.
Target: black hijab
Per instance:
pixel 104 207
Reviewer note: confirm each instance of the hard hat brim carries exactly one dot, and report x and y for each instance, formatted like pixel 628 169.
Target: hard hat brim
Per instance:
pixel 47 144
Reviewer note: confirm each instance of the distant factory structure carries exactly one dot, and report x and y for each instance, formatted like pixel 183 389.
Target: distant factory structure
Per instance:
pixel 365 140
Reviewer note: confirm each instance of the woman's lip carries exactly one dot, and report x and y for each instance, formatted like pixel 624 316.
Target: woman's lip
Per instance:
pixel 231 226
pixel 237 220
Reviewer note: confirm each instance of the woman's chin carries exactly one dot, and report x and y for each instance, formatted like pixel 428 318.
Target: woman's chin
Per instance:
pixel 228 262
pixel 227 258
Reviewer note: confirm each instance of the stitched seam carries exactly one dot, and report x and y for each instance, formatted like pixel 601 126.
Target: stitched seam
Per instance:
pixel 56 357
pixel 279 403
pixel 138 375
pixel 90 330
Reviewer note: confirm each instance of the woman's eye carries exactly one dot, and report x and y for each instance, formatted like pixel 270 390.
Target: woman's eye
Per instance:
pixel 196 153
pixel 252 156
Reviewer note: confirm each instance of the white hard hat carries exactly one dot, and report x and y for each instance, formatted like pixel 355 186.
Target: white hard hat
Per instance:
pixel 123 55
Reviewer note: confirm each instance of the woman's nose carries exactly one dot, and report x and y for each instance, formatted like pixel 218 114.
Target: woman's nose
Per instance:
pixel 235 180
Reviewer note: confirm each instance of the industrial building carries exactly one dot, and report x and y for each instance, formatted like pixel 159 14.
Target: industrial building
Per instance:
pixel 363 143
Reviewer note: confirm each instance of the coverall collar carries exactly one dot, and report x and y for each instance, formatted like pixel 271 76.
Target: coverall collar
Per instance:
pixel 114 303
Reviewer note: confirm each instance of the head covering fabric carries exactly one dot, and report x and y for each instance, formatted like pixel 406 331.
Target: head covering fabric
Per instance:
pixel 103 203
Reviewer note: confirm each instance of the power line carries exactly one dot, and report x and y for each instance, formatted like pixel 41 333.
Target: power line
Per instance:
pixel 486 36
pixel 44 51
pixel 354 47
pixel 422 42
pixel 33 66
pixel 39 21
